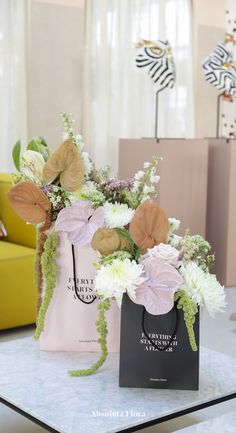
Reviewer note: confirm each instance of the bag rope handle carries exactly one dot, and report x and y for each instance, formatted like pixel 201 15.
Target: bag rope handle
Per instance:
pixel 151 340
pixel 74 275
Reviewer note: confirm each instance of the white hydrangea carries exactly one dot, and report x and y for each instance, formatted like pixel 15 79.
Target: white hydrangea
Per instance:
pixel 203 288
pixel 79 142
pixel 174 240
pixel 120 276
pixel 165 252
pixel 88 165
pixel 117 214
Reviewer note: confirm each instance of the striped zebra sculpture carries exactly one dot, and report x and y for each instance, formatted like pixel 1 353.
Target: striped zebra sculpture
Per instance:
pixel 220 70
pixel 157 58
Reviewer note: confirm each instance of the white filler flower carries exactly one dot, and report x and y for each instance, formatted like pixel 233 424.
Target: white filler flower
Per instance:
pixel 117 215
pixel 203 288
pixel 174 224
pixel 118 277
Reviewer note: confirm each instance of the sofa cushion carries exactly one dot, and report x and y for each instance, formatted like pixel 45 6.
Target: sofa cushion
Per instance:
pixel 9 250
pixel 17 289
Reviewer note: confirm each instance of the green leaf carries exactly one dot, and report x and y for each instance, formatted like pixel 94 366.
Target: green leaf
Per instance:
pixel 133 248
pixel 36 145
pixel 43 141
pixel 16 154
pixel 33 145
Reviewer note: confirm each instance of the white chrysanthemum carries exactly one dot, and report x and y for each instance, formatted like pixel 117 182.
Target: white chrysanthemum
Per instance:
pixel 165 252
pixel 118 277
pixel 203 288
pixel 117 215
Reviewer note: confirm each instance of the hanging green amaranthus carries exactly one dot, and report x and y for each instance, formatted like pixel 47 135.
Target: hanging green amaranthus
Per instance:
pixel 49 270
pixel 190 310
pixel 102 330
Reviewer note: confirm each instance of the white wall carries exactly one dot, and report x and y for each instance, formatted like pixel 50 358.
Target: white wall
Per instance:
pixel 55 65
pixel 209 28
pixel 57 60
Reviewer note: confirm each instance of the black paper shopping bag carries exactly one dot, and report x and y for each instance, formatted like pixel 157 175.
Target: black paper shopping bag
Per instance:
pixel 155 351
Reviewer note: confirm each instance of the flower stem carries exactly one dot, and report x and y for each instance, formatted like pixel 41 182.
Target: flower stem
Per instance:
pixel 101 324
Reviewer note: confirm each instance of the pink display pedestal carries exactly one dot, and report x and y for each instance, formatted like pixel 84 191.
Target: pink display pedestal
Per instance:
pixel 182 191
pixel 221 208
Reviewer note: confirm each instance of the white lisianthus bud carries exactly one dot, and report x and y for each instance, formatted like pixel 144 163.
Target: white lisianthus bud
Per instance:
pixel 146 165
pixel 154 179
pixel 139 175
pixel 32 165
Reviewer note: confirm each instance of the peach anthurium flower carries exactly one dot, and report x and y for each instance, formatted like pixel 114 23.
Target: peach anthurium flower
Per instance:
pixel 149 225
pixel 80 221
pixel 157 292
pixel 29 202
pixel 65 162
pixel 107 241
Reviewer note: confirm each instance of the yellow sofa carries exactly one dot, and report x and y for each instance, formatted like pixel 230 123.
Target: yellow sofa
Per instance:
pixel 17 289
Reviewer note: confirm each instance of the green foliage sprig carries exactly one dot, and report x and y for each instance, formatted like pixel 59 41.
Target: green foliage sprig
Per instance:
pixel 102 330
pixel 49 268
pixel 106 260
pixel 190 309
pixel 133 249
pixel 36 260
pixel 197 249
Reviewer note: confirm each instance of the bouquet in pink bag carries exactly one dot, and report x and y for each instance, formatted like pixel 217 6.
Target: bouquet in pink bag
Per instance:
pixel 81 215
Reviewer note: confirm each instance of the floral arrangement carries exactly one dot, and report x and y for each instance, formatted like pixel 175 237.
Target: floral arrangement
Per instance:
pixel 139 252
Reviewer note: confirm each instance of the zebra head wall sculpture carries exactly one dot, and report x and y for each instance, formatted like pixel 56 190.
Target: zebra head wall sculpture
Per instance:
pixel 220 70
pixel 157 57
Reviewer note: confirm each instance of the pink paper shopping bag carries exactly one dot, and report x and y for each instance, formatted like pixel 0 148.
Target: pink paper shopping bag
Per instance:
pixel 72 312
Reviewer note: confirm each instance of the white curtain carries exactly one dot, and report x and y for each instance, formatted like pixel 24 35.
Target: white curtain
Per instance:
pixel 119 100
pixel 13 94
pixel 228 108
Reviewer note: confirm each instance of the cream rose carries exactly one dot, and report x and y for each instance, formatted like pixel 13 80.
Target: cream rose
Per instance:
pixel 165 252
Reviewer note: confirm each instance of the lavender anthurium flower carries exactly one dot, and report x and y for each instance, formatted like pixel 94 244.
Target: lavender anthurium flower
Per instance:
pixel 157 292
pixel 80 221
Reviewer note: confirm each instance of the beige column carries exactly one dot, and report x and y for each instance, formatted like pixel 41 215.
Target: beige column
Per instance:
pixel 221 208
pixel 182 191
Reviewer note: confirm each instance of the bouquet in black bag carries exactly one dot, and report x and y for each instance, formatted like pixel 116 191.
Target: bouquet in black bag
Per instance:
pixel 160 280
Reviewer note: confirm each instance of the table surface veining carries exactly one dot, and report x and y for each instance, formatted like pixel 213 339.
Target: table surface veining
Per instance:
pixel 37 383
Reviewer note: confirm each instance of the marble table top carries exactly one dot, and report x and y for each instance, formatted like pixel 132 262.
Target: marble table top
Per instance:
pixel 221 424
pixel 37 383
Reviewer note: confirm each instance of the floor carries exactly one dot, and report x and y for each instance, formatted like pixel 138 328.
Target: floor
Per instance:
pixel 217 334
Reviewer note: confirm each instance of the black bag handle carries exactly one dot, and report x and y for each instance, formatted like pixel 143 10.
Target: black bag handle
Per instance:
pixel 74 275
pixel 150 339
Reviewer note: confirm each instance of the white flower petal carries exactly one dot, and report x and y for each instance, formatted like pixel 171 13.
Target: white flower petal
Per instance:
pixel 117 215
